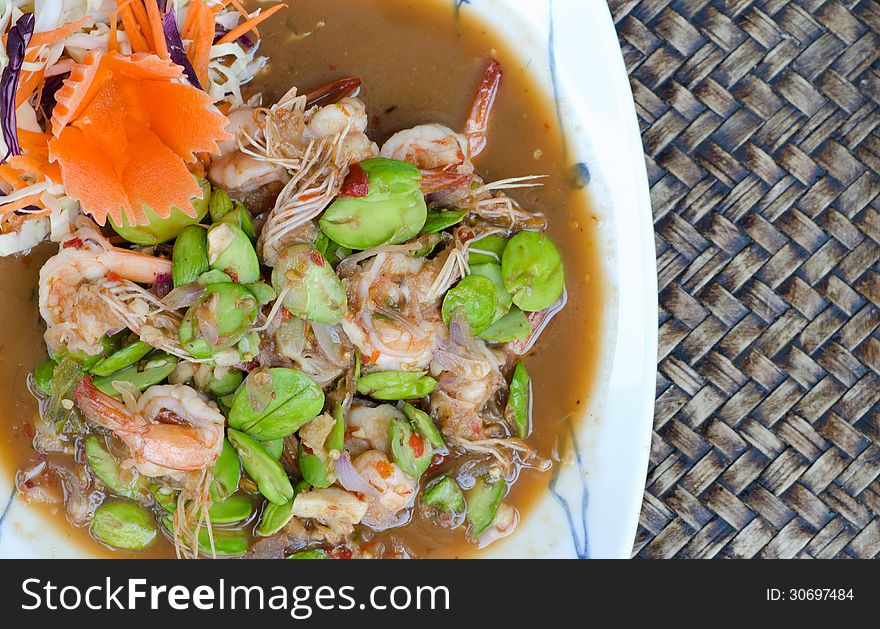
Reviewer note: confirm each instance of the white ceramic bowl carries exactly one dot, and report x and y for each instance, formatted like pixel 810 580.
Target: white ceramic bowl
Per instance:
pixel 593 507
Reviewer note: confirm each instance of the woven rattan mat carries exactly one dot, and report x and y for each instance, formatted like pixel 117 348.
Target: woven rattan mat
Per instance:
pixel 761 125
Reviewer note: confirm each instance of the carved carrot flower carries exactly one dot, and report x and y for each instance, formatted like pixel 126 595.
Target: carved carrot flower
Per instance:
pixel 124 129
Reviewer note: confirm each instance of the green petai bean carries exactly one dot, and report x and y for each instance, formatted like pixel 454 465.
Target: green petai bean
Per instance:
pixel 231 510
pixel 228 542
pixel 518 410
pixel 411 453
pixel 442 219
pixel 106 468
pixel 230 250
pixel 120 359
pixel 444 495
pixel 314 469
pixel 489 249
pixel 165 497
pixel 218 320
pixel 274 518
pixel 336 440
pixel 503 298
pixel 240 218
pixel 123 525
pixel 533 273
pixel 224 384
pixel 396 385
pixel 214 277
pixel 315 553
pixel 147 373
pixel 482 504
pixel 226 473
pixel 393 211
pixel 274 403
pixel 474 299
pixel 424 425
pixel 275 447
pixel 266 471
pixel 220 204
pixel 308 285
pixel 189 258
pixel 514 326
pixel 264 293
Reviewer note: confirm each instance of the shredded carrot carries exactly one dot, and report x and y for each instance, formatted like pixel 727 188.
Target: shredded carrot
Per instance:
pixel 28 165
pixel 129 22
pixel 112 38
pixel 12 177
pixel 20 204
pixel 29 83
pixel 33 141
pixel 199 51
pixel 140 14
pixel 188 22
pixel 159 45
pixel 240 8
pixel 249 24
pixel 50 37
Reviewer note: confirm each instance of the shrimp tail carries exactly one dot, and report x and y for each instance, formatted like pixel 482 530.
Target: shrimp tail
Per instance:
pixel 438 180
pixel 99 408
pixel 478 122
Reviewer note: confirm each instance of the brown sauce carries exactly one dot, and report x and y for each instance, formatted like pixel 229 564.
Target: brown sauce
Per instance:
pixel 419 63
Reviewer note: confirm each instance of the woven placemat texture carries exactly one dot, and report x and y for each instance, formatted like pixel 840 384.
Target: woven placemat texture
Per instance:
pixel 761 125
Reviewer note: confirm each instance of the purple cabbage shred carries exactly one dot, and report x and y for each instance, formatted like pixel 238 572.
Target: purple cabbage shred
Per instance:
pixel 47 98
pixel 16 45
pixel 175 43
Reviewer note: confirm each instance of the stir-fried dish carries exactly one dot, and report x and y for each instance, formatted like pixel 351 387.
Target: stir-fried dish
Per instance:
pixel 269 335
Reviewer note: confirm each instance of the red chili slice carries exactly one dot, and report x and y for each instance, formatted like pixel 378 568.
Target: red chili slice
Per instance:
pixel 356 184
pixel 417 445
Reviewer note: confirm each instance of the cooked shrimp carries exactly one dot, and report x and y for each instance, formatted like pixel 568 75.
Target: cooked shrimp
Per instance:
pixel 438 151
pixel 444 156
pixel 88 289
pixel 314 147
pixel 239 173
pixel 368 427
pixel 396 490
pixel 346 118
pixel 172 429
pixel 394 310
pixel 337 508
pixel 468 376
pixel 78 282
